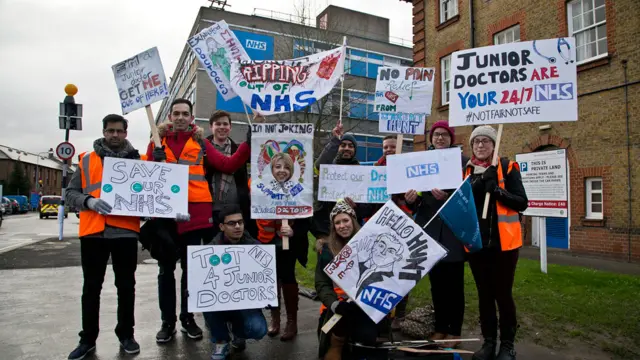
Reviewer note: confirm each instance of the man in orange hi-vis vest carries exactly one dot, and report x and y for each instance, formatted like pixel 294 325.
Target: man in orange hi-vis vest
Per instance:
pixel 103 235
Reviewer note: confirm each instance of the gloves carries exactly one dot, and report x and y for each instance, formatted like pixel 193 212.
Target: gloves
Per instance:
pixel 98 205
pixel 343 307
pixel 159 155
pixel 249 135
pixel 183 217
pixel 490 179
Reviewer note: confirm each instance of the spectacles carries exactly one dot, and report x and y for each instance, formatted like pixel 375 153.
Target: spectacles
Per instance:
pixel 178 113
pixel 443 135
pixel 484 142
pixel 115 131
pixel 232 223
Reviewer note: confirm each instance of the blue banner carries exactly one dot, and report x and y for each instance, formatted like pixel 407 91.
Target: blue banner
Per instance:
pixel 459 213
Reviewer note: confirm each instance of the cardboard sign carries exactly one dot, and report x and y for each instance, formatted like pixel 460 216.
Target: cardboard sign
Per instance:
pixel 144 188
pixel 384 261
pixel 140 80
pixel 231 277
pixel 277 191
pixel 519 82
pixel 279 86
pixel 363 184
pixel 424 170
pixel 217 47
pixel 544 176
pixel 403 98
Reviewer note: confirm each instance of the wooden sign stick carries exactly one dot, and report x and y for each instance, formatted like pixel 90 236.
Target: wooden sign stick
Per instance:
pixel 152 125
pixel 285 239
pixel 399 141
pixel 487 196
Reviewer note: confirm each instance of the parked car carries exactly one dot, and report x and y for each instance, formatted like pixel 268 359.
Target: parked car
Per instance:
pixel 7 205
pixel 15 206
pixel 23 203
pixel 49 206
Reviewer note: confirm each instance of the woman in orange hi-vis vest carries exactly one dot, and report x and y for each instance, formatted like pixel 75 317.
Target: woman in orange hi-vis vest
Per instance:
pixel 494 266
pixel 355 323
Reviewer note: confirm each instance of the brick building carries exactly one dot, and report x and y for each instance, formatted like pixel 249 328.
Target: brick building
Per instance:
pixel 602 146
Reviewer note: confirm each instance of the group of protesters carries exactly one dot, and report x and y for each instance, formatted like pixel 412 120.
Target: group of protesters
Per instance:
pixel 219 213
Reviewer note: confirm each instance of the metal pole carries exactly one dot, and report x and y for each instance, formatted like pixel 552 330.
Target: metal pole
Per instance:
pixel 65 167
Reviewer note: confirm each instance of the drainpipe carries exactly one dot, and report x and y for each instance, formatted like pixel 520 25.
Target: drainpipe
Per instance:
pixel 472 25
pixel 626 103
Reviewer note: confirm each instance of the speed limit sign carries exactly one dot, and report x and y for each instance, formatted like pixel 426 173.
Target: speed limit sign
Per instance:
pixel 65 150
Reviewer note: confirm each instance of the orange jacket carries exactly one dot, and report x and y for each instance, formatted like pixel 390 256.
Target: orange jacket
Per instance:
pixel 192 155
pixel 268 229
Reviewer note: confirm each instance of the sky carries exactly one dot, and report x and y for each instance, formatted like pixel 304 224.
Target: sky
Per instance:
pixel 45 45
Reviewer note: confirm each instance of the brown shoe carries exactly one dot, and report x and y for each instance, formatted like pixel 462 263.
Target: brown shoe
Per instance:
pixel 290 295
pixel 335 349
pixel 274 324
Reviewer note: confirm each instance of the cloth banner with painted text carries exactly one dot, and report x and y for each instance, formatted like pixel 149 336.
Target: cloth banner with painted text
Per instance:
pixel 278 86
pixel 424 170
pixel 140 80
pixel 403 98
pixel 144 188
pixel 363 184
pixel 231 277
pixel 530 81
pixel 384 261
pixel 281 183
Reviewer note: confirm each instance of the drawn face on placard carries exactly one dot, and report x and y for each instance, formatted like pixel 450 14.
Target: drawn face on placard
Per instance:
pixel 282 168
pixel 386 250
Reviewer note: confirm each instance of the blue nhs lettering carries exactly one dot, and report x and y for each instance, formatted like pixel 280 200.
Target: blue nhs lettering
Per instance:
pixel 422 170
pixel 380 299
pixel 550 92
pixel 255 44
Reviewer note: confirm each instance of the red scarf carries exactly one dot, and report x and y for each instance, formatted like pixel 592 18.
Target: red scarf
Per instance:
pixel 481 163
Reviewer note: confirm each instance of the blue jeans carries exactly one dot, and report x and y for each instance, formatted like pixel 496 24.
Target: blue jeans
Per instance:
pixel 245 324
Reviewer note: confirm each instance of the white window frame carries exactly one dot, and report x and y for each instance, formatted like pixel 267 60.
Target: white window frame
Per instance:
pixel 445 66
pixel 595 25
pixel 502 37
pixel 590 214
pixel 446 14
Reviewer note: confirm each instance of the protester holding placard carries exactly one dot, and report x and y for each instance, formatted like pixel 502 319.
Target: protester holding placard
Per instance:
pixel 103 236
pixel 183 142
pixel 494 266
pixel 355 324
pixel 245 324
pixel 447 276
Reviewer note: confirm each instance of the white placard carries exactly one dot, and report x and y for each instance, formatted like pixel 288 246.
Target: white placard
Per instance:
pixel 145 188
pixel 231 277
pixel 279 86
pixel 217 47
pixel 384 261
pixel 528 81
pixel 140 80
pixel 284 198
pixel 363 184
pixel 424 170
pixel 544 176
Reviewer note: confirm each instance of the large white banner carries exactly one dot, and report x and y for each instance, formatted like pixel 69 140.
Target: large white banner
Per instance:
pixel 217 48
pixel 403 98
pixel 384 261
pixel 145 188
pixel 363 184
pixel 424 170
pixel 279 86
pixel 544 176
pixel 231 277
pixel 277 192
pixel 140 80
pixel 519 82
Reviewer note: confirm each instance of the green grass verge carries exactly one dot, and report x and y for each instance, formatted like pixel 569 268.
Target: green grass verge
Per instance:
pixel 557 309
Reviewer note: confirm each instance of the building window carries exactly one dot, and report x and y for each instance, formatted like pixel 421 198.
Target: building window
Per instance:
pixel 445 76
pixel 587 24
pixel 594 198
pixel 323 21
pixel 509 35
pixel 448 9
pixel 366 64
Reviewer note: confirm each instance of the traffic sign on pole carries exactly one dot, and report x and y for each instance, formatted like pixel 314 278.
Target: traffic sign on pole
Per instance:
pixel 65 150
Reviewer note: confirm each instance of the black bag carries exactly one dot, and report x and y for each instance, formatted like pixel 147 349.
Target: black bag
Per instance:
pixel 159 236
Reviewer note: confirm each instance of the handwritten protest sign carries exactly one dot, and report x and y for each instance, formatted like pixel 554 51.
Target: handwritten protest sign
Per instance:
pixel 279 86
pixel 140 80
pixel 527 81
pixel 231 277
pixel 217 47
pixel 281 184
pixel 144 188
pixel 403 98
pixel 424 170
pixel 384 261
pixel 363 184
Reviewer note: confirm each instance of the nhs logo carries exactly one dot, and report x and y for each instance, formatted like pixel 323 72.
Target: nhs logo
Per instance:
pixel 255 44
pixel 422 170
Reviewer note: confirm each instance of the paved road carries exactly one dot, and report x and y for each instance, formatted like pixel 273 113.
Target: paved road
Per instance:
pixel 24 229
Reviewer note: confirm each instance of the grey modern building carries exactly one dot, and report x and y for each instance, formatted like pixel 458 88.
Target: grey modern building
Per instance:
pixel 270 35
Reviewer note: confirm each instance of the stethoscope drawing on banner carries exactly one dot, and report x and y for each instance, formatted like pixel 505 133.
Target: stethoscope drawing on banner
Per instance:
pixel 565 54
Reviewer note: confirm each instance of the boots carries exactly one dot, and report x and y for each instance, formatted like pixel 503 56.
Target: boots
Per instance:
pixel 290 295
pixel 335 349
pixel 507 338
pixel 274 324
pixel 488 350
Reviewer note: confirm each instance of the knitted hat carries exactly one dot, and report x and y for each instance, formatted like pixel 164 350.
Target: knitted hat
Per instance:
pixel 445 125
pixel 351 138
pixel 484 130
pixel 342 207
